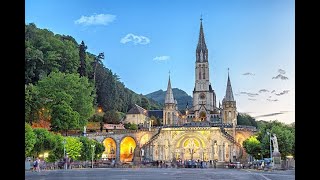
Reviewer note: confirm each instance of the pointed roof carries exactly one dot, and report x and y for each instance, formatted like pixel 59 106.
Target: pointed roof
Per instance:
pixel 169 96
pixel 229 93
pixel 136 109
pixel 201 47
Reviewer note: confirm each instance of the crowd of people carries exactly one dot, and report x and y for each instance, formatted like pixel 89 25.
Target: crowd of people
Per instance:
pixel 186 164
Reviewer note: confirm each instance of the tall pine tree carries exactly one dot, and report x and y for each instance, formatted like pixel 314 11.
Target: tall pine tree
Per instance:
pixel 82 55
pixel 97 59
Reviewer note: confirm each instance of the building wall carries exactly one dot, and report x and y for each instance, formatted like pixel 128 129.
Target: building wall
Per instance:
pixel 135 118
pixel 208 144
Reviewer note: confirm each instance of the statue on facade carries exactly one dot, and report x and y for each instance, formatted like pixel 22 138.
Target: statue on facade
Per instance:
pixel 215 148
pixel 215 151
pixel 234 151
pixel 142 152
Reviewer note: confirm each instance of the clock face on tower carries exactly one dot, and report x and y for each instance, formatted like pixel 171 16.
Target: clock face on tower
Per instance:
pixel 202 96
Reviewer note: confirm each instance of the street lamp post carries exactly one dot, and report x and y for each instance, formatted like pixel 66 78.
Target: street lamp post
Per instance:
pixel 64 153
pixel 270 145
pixel 92 154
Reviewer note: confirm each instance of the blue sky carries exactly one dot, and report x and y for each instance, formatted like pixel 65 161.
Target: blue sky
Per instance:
pixel 144 40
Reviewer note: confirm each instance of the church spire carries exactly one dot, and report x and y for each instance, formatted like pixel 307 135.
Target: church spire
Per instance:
pixel 169 96
pixel 229 93
pixel 202 51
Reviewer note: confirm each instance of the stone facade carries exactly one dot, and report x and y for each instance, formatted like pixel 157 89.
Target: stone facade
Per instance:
pixel 203 143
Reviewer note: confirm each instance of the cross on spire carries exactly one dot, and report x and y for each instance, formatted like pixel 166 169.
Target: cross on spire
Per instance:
pixel 201 18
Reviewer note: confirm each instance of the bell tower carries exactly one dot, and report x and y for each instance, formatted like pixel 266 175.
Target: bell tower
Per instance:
pixel 204 98
pixel 170 107
pixel 229 113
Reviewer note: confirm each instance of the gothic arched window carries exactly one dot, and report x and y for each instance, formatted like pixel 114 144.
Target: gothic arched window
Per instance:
pixel 204 72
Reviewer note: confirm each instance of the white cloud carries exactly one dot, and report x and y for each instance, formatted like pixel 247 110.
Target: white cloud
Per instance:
pixel 96 19
pixel 249 94
pixel 263 90
pixel 161 58
pixel 280 76
pixel 282 93
pixel 270 114
pixel 248 73
pixel 135 39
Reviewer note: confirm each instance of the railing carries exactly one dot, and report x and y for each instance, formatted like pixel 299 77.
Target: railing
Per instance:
pixel 124 131
pixel 231 138
pixel 243 127
pixel 152 138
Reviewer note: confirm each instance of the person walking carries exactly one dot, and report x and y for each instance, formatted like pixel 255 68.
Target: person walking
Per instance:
pixel 35 164
pixel 38 165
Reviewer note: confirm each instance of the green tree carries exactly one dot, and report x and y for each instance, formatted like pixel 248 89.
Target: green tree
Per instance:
pixel 73 147
pixel 97 60
pixel 71 92
pixel 32 103
pixel 29 139
pixel 252 146
pixel 145 103
pixel 45 141
pixel 64 118
pixel 127 125
pixel 133 126
pixel 82 55
pixel 86 148
pixel 285 135
pixel 46 52
pixel 57 153
pixel 111 117
pixel 98 150
pixel 246 119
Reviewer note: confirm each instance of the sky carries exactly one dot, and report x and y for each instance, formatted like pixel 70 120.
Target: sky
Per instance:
pixel 143 40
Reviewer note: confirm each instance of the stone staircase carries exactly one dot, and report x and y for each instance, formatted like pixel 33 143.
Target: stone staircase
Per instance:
pixel 242 152
pixel 151 139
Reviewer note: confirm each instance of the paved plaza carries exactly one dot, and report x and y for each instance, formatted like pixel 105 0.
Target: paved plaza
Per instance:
pixel 160 173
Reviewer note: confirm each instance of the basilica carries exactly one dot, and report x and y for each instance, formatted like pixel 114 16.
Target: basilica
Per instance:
pixel 203 132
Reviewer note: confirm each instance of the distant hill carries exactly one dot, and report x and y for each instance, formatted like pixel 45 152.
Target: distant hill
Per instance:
pixel 181 96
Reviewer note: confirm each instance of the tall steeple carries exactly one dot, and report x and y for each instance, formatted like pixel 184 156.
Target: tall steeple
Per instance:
pixel 229 93
pixel 202 51
pixel 169 96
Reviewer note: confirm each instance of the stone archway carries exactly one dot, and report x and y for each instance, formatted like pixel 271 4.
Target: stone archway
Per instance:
pixel 144 139
pixel 110 148
pixel 203 115
pixel 127 146
pixel 191 146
